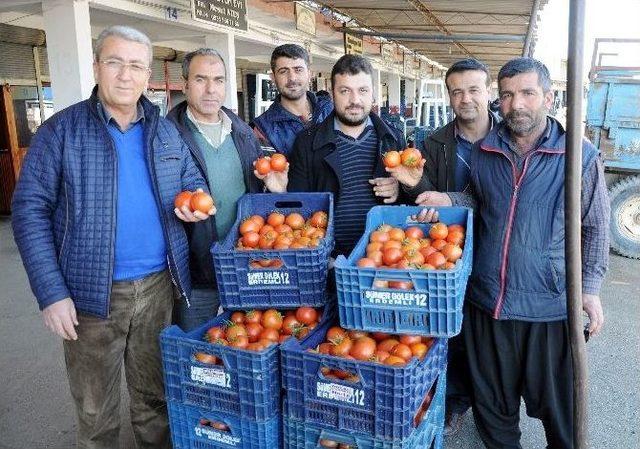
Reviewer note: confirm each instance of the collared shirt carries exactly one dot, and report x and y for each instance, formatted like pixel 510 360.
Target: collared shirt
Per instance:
pixel 368 124
pixel 463 158
pixel 208 130
pixel 108 119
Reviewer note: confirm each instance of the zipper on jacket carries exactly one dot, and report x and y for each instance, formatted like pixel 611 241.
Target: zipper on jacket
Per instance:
pixel 66 222
pixel 446 167
pixel 507 238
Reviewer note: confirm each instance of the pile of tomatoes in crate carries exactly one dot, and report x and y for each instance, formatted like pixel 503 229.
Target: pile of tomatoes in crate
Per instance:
pixel 409 157
pixel 280 231
pixel 377 347
pixel 410 248
pixel 256 330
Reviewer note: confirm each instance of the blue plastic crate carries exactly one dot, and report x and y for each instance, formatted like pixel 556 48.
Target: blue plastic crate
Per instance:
pixel 303 278
pixel 248 384
pixel 189 431
pixel 433 308
pixel 381 404
pixel 301 435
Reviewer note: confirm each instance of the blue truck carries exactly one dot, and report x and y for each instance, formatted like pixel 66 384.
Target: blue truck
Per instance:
pixel 613 125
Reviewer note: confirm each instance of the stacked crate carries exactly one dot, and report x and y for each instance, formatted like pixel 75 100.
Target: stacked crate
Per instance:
pixel 380 408
pixel 236 403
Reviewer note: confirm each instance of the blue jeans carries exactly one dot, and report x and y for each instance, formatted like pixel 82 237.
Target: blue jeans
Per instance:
pixel 204 306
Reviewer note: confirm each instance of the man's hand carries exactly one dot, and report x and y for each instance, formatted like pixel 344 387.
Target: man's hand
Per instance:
pixel 186 215
pixel 61 319
pixel 433 199
pixel 387 188
pixel 274 181
pixel 592 305
pixel 427 215
pixel 408 176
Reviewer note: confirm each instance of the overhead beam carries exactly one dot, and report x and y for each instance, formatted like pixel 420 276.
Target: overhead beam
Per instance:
pixel 448 37
pixel 432 17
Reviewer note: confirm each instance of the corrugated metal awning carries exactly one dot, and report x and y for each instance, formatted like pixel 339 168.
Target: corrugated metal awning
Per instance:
pixel 445 31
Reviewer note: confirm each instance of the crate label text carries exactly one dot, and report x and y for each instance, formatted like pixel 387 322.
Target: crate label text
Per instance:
pixel 399 298
pixel 216 435
pixel 268 278
pixel 211 376
pixel 342 393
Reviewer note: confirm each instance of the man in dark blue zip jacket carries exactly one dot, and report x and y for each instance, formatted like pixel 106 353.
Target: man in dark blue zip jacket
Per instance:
pixel 295 108
pixel 94 221
pixel 515 326
pixel 224 149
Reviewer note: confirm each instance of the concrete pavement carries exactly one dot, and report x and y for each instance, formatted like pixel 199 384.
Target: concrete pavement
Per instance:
pixel 36 409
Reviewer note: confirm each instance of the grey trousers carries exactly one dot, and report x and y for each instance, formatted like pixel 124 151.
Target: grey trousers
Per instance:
pixel 139 310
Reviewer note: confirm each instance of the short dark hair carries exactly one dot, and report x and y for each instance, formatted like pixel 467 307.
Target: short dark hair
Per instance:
pixel 351 64
pixel 186 62
pixel 465 65
pixel 518 66
pixel 291 51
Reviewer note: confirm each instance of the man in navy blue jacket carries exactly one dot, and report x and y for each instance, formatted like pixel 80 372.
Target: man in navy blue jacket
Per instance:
pixel 224 149
pixel 101 242
pixel 295 108
pixel 515 318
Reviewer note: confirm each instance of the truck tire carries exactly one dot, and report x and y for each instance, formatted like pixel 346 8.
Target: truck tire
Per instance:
pixel 625 217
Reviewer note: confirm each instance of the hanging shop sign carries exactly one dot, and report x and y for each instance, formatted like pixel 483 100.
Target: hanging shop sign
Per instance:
pixel 229 13
pixel 353 45
pixel 305 19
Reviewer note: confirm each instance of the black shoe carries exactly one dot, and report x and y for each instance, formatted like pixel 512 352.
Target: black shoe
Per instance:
pixel 452 423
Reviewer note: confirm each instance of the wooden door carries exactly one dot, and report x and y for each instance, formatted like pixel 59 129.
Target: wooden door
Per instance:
pixel 10 153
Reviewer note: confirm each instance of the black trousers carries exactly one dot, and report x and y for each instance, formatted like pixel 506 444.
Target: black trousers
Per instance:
pixel 458 378
pixel 510 360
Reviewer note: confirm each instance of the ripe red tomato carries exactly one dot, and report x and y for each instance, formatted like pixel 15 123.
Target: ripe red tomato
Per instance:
pixel 341 347
pixel 456 227
pixel 335 333
pixel 391 159
pixel 319 219
pixel 253 331
pixel 363 348
pixel 278 162
pixel 401 285
pixel 241 341
pixel 253 316
pixel 365 262
pixel 380 336
pixel 403 351
pixel 250 239
pixel 396 234
pixel 267 240
pixel 414 232
pixel 201 201
pixel 263 166
pixel 393 360
pixel 438 244
pixel 258 220
pixel 410 339
pixel 290 325
pixel 237 317
pixel 439 231
pixel 203 357
pixel 249 225
pixel 269 334
pixel 183 199
pixel 388 344
pixel 456 237
pixel 436 259
pixel 214 333
pixel 307 315
pixel 451 252
pixel 275 219
pixel 295 220
pixel 391 256
pixel 379 236
pixel 411 157
pixel 419 350
pixel 272 319
pixel 236 330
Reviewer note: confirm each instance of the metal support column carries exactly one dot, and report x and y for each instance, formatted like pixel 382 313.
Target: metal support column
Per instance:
pixel 573 241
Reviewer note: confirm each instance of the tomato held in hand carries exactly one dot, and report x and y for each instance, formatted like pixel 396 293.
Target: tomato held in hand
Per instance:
pixel 183 199
pixel 202 202
pixel 263 166
pixel 391 159
pixel 411 157
pixel 278 162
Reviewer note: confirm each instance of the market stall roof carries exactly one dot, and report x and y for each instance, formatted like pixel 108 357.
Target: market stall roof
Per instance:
pixel 445 31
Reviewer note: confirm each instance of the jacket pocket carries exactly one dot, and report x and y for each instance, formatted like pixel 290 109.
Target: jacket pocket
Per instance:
pixel 558 274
